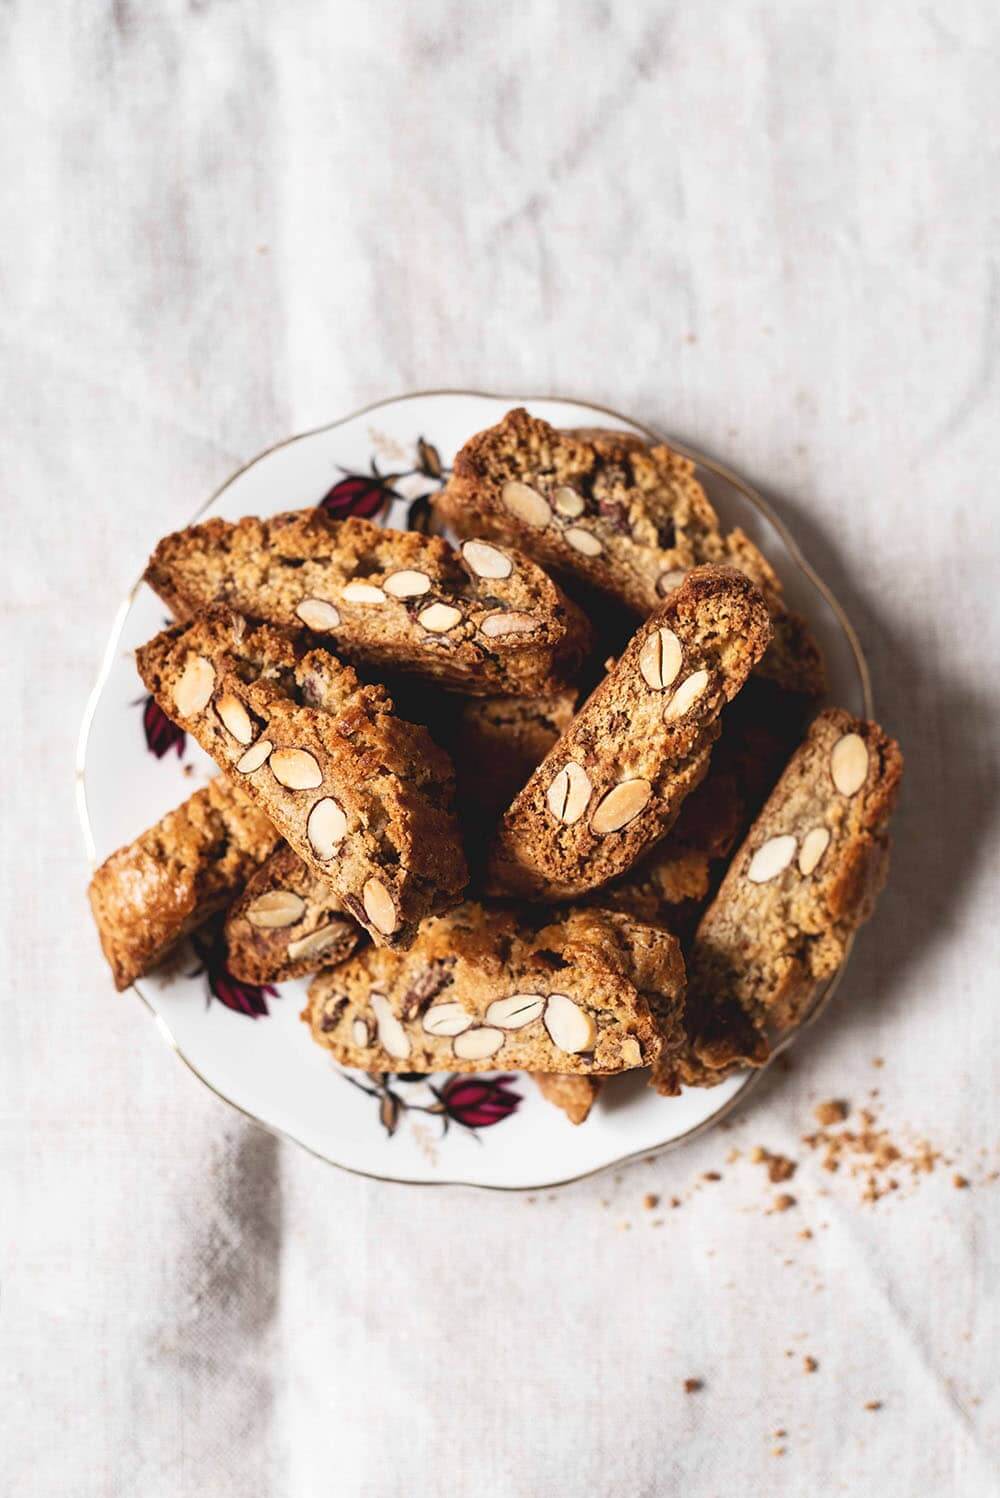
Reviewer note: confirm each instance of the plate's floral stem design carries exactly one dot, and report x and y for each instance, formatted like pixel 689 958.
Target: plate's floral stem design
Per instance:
pixel 471 1102
pixel 368 494
pixel 161 734
pixel 243 998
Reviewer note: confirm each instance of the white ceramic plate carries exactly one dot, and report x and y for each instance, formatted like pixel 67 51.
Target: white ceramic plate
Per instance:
pixel 257 1055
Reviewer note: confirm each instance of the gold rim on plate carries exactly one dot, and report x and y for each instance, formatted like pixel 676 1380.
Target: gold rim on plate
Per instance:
pixel 821 1000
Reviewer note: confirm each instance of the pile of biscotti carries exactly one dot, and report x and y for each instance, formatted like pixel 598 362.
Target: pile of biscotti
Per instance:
pixel 558 799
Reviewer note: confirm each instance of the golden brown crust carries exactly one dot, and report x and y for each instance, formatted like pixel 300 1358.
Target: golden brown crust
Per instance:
pixel 616 515
pixel 422 607
pixel 806 876
pixel 575 1096
pixel 151 894
pixel 613 785
pixel 287 923
pixel 593 991
pixel 363 797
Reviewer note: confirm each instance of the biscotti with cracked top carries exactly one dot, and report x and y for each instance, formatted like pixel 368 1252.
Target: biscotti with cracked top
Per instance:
pixel 583 992
pixel 483 620
pixel 615 782
pixel 287 923
pixel 806 876
pixel 361 795
pixel 151 894
pixel 624 518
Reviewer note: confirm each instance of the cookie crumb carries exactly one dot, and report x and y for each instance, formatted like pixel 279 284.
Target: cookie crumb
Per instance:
pixel 809 1364
pixel 833 1111
pixel 711 1175
pixel 675 1201
pixel 650 1200
pixel 779 1167
pixel 960 1182
pixel 873 1404
pixel 878 1061
pixel 693 1385
pixel 783 1202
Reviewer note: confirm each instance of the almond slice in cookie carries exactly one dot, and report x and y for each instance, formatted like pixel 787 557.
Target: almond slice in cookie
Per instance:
pixel 771 858
pixel 439 618
pixel 814 845
pixel 275 909
pixel 392 1037
pixel 359 592
pixel 569 793
pixel 326 827
pixel 255 756
pixel 193 688
pixel 379 907
pixel 485 560
pixel 478 1044
pixel 318 614
pixel 317 941
pixel 660 659
pixel 510 623
pixel 407 583
pixel 296 769
pixel 686 695
pixel 515 1012
pixel 570 1028
pixel 526 503
pixel 235 718
pixel 621 805
pixel 849 764
pixel 583 541
pixel 446 1019
pixel 567 502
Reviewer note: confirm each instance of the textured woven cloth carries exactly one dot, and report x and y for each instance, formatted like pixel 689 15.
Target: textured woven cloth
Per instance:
pixel 768 229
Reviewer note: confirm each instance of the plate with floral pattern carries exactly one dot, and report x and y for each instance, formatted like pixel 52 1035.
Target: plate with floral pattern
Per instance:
pixel 247 1042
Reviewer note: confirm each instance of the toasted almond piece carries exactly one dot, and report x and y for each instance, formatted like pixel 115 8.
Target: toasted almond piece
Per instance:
pixel 446 1019
pixel 379 906
pixel 317 613
pixel 515 1012
pixel 255 756
pixel 325 828
pixel 392 1037
pixel 359 592
pixel 438 618
pixel 407 583
pixel 849 764
pixel 771 857
pixel 621 805
pixel 668 581
pixel 660 659
pixel 569 793
pixel 526 503
pixel 567 502
pixel 361 1033
pixel 814 845
pixel 510 623
pixel 193 688
pixel 318 941
pixel 583 541
pixel 630 1051
pixel 235 717
pixel 486 560
pixel 686 696
pixel 570 1028
pixel 296 769
pixel 476 1045
pixel 276 908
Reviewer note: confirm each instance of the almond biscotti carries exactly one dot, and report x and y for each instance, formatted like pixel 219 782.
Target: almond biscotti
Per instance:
pixel 151 894
pixel 590 992
pixel 804 879
pixel 616 515
pixel 287 923
pixel 614 783
pixel 361 795
pixel 574 1096
pixel 484 619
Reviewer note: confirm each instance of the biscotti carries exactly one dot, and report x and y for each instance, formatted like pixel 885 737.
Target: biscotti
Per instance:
pixel 574 1096
pixel 151 894
pixel 806 876
pixel 590 992
pixel 288 922
pixel 619 517
pixel 483 620
pixel 361 795
pixel 496 742
pixel 613 785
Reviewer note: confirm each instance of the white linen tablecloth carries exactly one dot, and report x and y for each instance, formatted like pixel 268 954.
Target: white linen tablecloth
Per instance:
pixel 770 229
